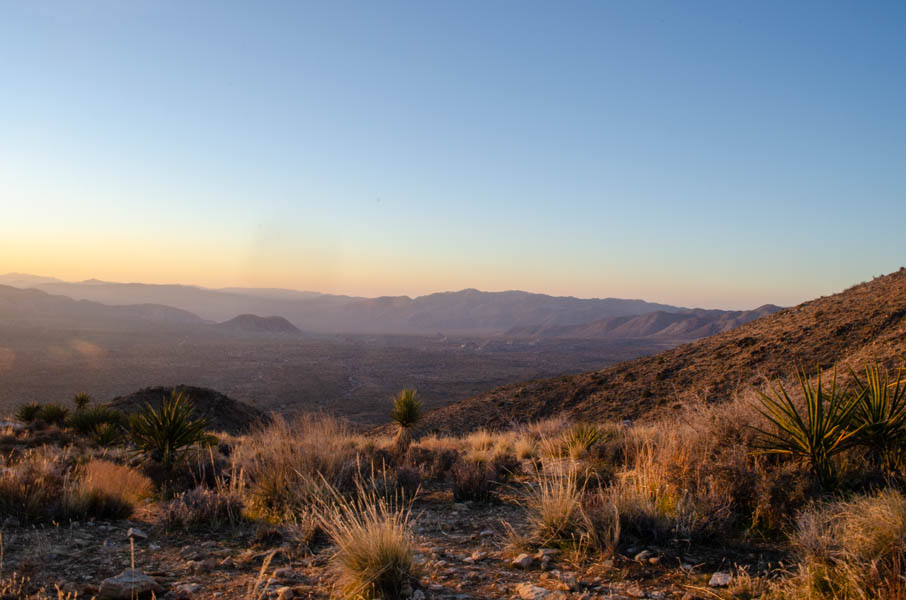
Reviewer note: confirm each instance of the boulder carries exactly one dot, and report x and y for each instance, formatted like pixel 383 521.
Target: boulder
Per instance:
pixel 129 584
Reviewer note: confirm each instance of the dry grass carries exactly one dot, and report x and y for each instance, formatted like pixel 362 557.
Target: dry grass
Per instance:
pixel 287 463
pixel 107 490
pixel 853 549
pixel 374 557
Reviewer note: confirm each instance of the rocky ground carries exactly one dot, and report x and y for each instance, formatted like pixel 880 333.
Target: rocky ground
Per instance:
pixel 464 549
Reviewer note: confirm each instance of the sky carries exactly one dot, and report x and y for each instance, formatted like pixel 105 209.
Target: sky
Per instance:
pixel 714 154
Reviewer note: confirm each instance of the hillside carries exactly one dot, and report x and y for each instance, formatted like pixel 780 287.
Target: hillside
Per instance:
pixel 31 307
pixel 223 413
pixel 684 325
pixel 848 328
pixel 253 324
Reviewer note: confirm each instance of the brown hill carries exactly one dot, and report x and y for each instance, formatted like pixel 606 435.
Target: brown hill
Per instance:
pixel 222 412
pixel 686 325
pixel 253 324
pixel 848 328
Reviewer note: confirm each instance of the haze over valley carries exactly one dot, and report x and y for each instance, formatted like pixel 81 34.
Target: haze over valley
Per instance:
pixel 288 351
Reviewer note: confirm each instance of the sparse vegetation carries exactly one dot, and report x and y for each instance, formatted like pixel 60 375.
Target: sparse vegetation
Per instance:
pixel 816 435
pixel 406 413
pixel 166 433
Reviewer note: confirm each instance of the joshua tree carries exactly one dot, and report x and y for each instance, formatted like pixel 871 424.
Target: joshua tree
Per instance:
pixel 81 400
pixel 407 410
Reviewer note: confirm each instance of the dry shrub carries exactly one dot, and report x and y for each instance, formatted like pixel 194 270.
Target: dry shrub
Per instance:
pixel 476 480
pixel 374 557
pixel 33 489
pixel 288 463
pixel 852 549
pixel 203 507
pixel 107 490
pixel 563 513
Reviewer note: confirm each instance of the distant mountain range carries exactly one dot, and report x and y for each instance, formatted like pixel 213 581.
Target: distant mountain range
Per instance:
pixel 466 312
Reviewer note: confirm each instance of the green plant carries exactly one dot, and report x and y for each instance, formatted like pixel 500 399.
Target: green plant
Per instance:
pixel 106 434
pixel 81 400
pixel 816 436
pixel 53 414
pixel 27 413
pixel 579 438
pixel 166 433
pixel 406 413
pixel 880 417
pixel 87 420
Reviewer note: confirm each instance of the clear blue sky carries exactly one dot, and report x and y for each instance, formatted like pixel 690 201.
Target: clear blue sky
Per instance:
pixel 719 154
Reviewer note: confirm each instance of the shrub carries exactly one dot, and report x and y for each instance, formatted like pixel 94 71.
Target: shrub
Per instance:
pixel 87 420
pixel 406 413
pixel 563 513
pixel 32 489
pixel 166 433
pixel 28 413
pixel 53 414
pixel 374 557
pixel 578 439
pixel 106 434
pixel 815 437
pixel 852 549
pixel 107 490
pixel 476 480
pixel 203 507
pixel 287 463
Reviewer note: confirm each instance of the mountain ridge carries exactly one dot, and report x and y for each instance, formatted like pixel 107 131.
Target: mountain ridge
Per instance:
pixel 848 328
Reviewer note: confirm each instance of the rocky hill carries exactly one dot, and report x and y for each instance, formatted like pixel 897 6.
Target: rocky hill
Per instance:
pixel 222 412
pixel 684 325
pixel 253 324
pixel 847 328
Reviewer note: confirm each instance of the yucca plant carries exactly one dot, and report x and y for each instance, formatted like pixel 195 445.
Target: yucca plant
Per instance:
pixel 823 431
pixel 406 413
pixel 166 433
pixel 53 413
pixel 106 434
pixel 27 413
pixel 579 438
pixel 880 416
pixel 81 401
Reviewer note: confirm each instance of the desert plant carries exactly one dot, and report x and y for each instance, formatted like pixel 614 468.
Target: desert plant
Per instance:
pixel 166 433
pixel 406 413
pixel 106 434
pixel 81 400
pixel 852 549
pixel 107 490
pixel 374 556
pixel 475 480
pixel 203 507
pixel 880 417
pixel 815 437
pixel 28 413
pixel 87 420
pixel 54 414
pixel 579 438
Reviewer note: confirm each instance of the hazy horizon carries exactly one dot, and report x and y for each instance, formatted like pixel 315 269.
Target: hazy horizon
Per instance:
pixel 708 154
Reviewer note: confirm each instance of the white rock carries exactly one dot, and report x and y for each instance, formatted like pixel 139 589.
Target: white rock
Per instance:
pixel 129 583
pixel 523 561
pixel 720 579
pixel 527 591
pixel 285 593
